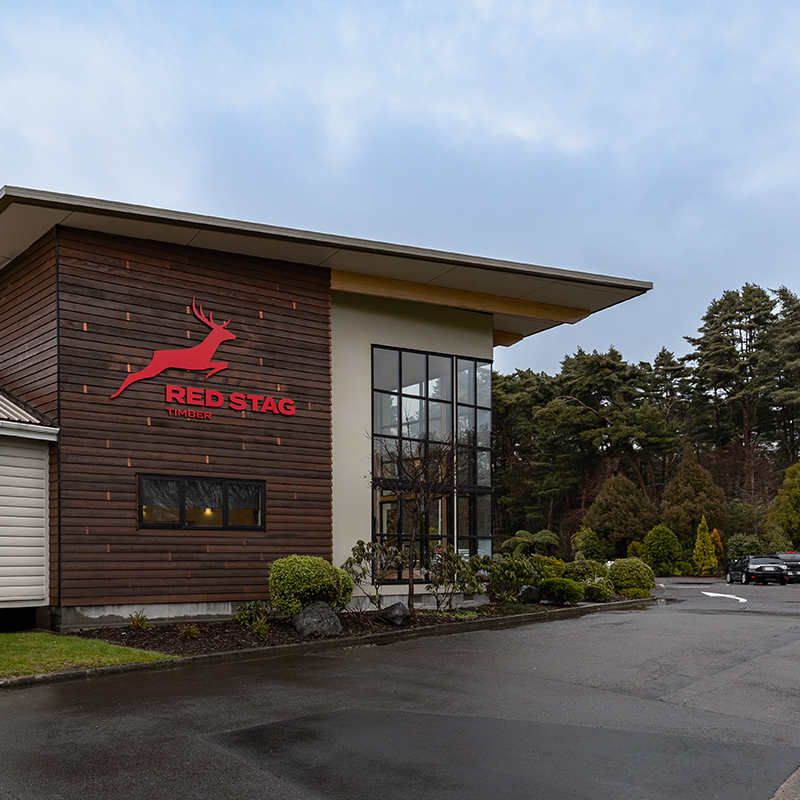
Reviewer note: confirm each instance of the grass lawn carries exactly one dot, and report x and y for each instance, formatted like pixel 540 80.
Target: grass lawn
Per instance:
pixel 37 653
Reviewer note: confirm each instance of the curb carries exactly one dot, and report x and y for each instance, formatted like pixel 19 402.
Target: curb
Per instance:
pixel 321 645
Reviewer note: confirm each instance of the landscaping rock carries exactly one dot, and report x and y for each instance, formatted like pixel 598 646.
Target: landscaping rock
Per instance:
pixel 318 619
pixel 530 594
pixel 395 614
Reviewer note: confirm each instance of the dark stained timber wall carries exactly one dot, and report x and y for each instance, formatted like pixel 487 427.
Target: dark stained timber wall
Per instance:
pixel 29 349
pixel 122 299
pixel 28 344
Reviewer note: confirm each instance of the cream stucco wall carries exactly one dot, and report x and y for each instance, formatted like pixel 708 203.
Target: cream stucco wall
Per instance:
pixel 358 322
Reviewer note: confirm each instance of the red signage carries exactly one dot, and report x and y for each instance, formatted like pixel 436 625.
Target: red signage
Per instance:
pixel 197 357
pixel 238 401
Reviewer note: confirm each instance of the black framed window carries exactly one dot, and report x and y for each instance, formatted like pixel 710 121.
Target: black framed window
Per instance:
pixel 419 399
pixel 167 501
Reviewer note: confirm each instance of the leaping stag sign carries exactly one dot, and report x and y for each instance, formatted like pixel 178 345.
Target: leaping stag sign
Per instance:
pixel 197 357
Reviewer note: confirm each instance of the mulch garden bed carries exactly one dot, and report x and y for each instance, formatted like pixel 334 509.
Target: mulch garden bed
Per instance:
pixel 220 637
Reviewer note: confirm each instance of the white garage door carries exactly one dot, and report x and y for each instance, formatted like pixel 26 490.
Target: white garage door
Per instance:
pixel 23 522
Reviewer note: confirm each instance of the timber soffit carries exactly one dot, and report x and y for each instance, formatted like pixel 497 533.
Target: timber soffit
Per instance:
pixel 523 298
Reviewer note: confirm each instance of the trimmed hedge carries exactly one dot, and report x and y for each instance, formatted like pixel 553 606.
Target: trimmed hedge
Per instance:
pixel 585 570
pixel 561 590
pixel 298 581
pixel 631 573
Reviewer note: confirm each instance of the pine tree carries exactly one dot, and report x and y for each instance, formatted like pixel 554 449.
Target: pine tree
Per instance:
pixel 621 513
pixel 705 559
pixel 689 496
pixel 735 371
pixel 784 513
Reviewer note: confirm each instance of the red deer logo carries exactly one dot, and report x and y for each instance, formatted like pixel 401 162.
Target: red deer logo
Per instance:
pixel 197 357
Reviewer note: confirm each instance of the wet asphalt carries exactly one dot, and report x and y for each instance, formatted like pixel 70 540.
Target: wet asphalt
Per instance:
pixel 693 699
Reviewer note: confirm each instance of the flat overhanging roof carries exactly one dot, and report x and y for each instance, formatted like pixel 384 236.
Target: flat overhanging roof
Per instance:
pixel 522 298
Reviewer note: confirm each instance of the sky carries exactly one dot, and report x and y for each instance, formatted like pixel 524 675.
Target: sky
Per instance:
pixel 658 141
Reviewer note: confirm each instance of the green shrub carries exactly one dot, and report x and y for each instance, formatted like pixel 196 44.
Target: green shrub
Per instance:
pixel 188 631
pixel 506 576
pixel 597 590
pixel 587 544
pixel 298 581
pixel 631 572
pixel 251 612
pixel 139 620
pixel 260 627
pixel 450 574
pixel 547 567
pixel 522 542
pixel 369 562
pixel 562 591
pixel 634 592
pixel 633 549
pixel 661 549
pixel 585 570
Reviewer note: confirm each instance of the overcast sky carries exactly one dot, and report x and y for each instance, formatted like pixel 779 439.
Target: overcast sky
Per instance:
pixel 649 140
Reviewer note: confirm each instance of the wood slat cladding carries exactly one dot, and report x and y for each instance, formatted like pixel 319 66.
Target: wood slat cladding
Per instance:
pixel 29 345
pixel 122 299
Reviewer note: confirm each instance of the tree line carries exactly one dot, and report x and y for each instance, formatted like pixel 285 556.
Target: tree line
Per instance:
pixel 620 447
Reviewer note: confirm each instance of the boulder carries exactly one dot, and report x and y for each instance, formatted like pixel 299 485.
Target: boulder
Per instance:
pixel 529 595
pixel 395 614
pixel 318 619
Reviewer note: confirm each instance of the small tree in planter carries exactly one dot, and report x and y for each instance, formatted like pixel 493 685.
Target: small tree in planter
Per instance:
pixel 367 565
pixel 420 475
pixel 450 574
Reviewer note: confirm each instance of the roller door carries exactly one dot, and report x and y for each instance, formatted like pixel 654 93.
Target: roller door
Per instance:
pixel 23 522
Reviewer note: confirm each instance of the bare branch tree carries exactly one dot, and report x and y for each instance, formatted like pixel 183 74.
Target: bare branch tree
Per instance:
pixel 419 475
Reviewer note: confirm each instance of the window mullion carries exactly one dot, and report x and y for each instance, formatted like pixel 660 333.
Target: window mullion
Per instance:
pixel 182 503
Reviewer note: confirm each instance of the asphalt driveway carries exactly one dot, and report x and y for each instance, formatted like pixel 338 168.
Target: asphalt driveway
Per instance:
pixel 691 699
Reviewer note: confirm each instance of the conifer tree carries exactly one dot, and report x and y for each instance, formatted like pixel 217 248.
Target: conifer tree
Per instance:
pixel 784 513
pixel 705 559
pixel 661 550
pixel 689 496
pixel 621 513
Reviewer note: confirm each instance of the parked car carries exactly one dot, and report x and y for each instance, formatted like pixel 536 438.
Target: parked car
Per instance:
pixel 758 569
pixel 792 561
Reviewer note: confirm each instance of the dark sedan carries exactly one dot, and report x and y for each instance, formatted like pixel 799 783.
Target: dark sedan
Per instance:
pixel 758 569
pixel 792 561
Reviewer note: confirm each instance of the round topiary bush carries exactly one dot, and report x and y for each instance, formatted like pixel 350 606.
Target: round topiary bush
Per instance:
pixel 562 591
pixel 597 590
pixel 585 570
pixel 298 581
pixel 627 573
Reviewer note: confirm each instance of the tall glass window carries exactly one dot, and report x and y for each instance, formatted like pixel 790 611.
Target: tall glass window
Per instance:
pixel 419 400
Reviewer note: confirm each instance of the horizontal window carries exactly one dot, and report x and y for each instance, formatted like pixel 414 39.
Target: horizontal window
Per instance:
pixel 171 502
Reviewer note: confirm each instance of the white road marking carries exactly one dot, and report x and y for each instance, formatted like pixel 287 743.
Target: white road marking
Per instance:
pixel 732 596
